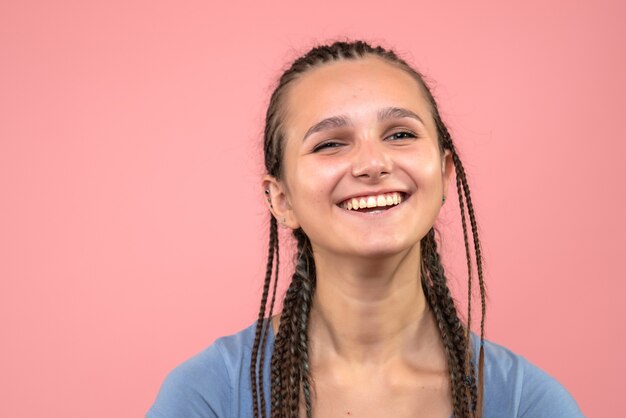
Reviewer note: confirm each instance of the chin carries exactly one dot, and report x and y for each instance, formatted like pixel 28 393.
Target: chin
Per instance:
pixel 382 249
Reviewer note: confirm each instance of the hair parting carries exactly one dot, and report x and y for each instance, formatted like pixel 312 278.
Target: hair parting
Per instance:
pixel 289 367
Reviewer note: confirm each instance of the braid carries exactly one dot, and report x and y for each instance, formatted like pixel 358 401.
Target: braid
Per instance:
pixel 452 332
pixel 462 184
pixel 262 327
pixel 269 320
pixel 283 361
pixel 463 192
pixel 306 296
pixel 289 363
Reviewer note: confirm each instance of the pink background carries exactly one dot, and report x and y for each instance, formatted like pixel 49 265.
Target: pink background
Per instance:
pixel 132 229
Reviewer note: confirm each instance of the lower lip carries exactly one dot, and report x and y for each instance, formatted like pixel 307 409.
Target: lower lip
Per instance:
pixel 376 213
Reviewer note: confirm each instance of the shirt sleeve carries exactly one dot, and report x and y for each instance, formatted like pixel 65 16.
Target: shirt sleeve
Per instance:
pixel 543 396
pixel 198 388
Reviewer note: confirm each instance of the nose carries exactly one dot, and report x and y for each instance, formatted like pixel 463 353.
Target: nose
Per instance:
pixel 371 161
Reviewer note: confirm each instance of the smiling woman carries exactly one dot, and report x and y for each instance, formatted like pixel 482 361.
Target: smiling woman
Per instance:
pixel 359 163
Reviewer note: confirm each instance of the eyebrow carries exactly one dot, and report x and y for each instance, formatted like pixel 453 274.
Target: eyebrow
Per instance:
pixel 341 121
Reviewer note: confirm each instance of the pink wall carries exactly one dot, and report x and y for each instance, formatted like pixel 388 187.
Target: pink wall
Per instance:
pixel 132 230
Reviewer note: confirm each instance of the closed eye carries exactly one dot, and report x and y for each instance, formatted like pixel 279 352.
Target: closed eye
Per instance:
pixel 327 145
pixel 398 136
pixel 402 135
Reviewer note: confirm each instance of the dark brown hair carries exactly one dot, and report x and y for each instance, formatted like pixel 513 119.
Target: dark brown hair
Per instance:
pixel 289 363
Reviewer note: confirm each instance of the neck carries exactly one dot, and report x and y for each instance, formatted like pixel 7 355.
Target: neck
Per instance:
pixel 369 311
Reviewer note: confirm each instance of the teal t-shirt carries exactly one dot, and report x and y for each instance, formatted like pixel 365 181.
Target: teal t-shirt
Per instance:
pixel 216 383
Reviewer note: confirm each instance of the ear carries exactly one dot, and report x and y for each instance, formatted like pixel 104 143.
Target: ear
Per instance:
pixel 447 168
pixel 277 200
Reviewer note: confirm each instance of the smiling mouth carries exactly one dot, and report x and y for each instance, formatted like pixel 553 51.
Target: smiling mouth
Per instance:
pixel 373 203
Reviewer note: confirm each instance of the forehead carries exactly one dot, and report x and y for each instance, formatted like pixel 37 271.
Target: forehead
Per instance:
pixel 355 88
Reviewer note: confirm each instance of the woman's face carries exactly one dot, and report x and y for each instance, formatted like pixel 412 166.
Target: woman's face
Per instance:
pixel 360 131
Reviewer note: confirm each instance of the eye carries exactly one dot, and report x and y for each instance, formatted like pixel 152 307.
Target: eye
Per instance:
pixel 327 145
pixel 399 136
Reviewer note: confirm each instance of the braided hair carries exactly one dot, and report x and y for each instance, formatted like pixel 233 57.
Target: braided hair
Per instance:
pixel 290 379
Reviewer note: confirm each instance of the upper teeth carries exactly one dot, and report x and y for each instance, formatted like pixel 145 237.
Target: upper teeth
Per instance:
pixel 386 199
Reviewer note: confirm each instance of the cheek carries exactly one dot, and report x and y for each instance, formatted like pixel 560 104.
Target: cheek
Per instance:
pixel 424 170
pixel 312 183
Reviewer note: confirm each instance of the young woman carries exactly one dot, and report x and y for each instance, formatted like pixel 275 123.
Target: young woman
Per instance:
pixel 359 163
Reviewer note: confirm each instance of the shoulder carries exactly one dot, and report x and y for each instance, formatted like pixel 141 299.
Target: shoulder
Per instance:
pixel 515 385
pixel 207 384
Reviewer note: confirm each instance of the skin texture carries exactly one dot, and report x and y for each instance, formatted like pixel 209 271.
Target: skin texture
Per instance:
pixel 374 345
